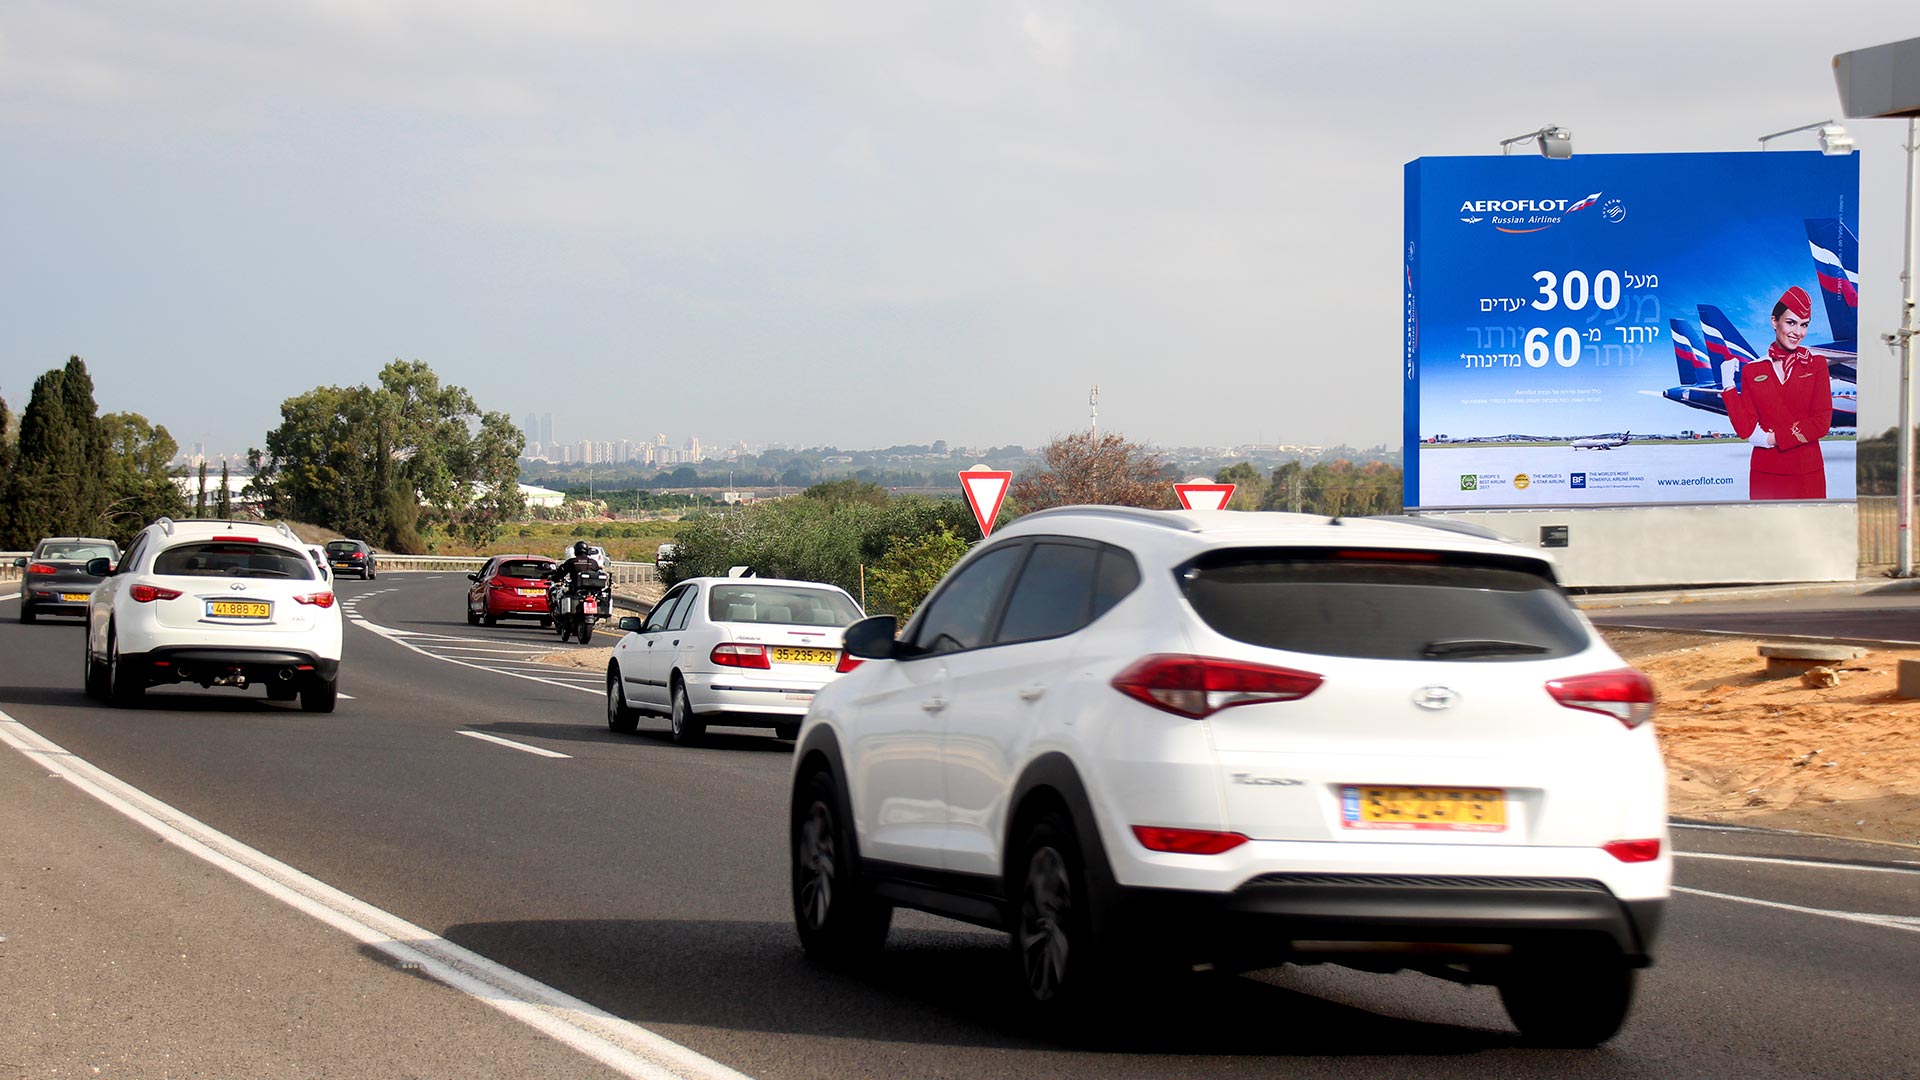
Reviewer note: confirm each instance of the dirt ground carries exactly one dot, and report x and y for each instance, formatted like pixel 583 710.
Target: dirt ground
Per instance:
pixel 1745 747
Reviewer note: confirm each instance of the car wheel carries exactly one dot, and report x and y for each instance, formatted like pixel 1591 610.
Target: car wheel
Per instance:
pixel 545 622
pixel 124 688
pixel 688 729
pixel 26 612
pixel 473 617
pixel 1568 1001
pixel 788 732
pixel 1061 963
pixel 490 619
pixel 621 717
pixel 94 678
pixel 319 695
pixel 839 922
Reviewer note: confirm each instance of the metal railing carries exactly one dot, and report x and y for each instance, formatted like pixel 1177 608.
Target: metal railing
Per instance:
pixel 8 571
pixel 623 573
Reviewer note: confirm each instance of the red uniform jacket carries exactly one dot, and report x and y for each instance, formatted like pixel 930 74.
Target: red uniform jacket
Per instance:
pixel 1798 412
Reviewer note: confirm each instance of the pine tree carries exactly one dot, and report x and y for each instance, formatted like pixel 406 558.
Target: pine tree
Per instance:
pixel 226 496
pixel 43 462
pixel 7 539
pixel 87 490
pixel 200 500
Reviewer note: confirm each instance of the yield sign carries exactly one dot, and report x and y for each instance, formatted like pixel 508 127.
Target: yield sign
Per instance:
pixel 986 489
pixel 1201 493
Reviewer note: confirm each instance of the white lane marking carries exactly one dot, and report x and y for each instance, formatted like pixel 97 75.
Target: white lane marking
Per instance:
pixel 515 745
pixel 397 639
pixel 1815 864
pixel 11 596
pixel 1892 922
pixel 1712 828
pixel 621 1045
pixel 343 697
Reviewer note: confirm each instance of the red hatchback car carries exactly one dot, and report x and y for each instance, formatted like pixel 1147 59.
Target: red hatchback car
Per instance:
pixel 510 587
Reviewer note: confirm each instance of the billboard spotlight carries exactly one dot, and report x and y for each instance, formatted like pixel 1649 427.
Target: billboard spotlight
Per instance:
pixel 1555 141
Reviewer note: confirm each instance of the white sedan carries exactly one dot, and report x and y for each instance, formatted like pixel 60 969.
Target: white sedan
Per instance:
pixel 736 652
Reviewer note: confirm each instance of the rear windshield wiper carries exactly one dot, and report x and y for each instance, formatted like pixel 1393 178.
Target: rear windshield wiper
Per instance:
pixel 1478 647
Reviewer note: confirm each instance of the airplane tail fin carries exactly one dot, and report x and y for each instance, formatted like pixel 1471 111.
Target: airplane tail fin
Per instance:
pixel 1696 367
pixel 1727 349
pixel 1836 262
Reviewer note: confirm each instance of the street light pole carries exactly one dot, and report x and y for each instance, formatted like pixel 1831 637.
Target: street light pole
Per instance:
pixel 1905 335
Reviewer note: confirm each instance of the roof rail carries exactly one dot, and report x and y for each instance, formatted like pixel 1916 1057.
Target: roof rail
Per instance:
pixel 165 523
pixel 1163 518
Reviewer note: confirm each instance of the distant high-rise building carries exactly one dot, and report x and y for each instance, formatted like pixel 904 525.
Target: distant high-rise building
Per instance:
pixel 530 427
pixel 546 429
pixel 586 452
pixel 693 449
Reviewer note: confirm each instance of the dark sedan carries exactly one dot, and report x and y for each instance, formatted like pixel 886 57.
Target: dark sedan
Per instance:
pixel 352 557
pixel 56 581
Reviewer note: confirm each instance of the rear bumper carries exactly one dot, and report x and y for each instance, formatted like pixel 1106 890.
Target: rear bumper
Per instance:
pixel 191 663
pixel 51 599
pixel 504 605
pixel 744 699
pixel 1404 920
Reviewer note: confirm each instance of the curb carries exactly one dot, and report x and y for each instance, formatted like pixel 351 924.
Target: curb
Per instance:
pixel 1719 594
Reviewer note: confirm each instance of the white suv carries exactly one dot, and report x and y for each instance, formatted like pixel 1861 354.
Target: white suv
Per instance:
pixel 1139 739
pixel 217 603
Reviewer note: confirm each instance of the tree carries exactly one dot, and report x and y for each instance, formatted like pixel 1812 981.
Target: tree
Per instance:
pixel 1108 470
pixel 1249 487
pixel 57 467
pixel 138 486
pixel 847 491
pixel 388 463
pixel 910 569
pixel 6 474
pixel 200 500
pixel 223 503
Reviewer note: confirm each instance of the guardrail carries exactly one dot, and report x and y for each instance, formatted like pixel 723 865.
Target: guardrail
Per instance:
pixel 8 571
pixel 623 573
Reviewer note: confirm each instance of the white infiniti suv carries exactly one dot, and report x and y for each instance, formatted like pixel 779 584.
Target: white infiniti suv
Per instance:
pixel 1139 739
pixel 216 603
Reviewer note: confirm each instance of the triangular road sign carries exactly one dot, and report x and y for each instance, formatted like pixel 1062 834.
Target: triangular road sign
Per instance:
pixel 986 489
pixel 1200 493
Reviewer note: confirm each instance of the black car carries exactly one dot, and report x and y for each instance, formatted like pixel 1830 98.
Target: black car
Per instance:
pixel 56 581
pixel 351 557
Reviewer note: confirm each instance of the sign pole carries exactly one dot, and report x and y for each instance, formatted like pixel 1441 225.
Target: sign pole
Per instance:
pixel 1907 274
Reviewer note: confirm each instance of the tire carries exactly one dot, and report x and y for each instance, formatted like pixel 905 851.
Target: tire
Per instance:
pixel 123 690
pixel 1062 964
pixel 319 695
pixel 788 732
pixel 1569 1001
pixel 546 622
pixel 27 614
pixel 688 729
pixel 839 921
pixel 564 629
pixel 490 619
pixel 282 691
pixel 94 676
pixel 472 619
pixel 622 719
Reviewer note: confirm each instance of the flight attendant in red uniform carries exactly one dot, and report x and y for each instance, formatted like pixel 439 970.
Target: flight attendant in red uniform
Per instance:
pixel 1783 405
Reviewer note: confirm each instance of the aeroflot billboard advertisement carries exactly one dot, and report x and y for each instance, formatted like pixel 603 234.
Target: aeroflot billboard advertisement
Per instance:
pixel 1625 329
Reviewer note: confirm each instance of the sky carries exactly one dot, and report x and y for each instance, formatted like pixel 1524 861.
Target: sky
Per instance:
pixel 856 224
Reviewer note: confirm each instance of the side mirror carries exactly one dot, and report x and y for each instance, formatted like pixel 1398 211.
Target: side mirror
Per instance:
pixel 872 638
pixel 630 624
pixel 473 577
pixel 95 567
pixel 20 562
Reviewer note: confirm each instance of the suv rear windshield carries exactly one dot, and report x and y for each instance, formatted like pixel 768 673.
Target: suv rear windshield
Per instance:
pixel 232 559
pixel 786 604
pixel 342 547
pixel 1384 605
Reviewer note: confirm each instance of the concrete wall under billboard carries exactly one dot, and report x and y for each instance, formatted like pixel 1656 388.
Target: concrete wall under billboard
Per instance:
pixel 1628 546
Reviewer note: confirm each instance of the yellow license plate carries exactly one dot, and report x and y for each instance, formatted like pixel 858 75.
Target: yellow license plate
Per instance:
pixel 533 592
pixel 73 597
pixel 786 654
pixel 238 609
pixel 1364 806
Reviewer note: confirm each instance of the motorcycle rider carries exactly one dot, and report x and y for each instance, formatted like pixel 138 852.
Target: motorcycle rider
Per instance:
pixel 566 573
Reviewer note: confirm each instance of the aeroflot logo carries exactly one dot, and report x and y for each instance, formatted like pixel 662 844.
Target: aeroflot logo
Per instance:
pixel 1523 215
pixel 1514 206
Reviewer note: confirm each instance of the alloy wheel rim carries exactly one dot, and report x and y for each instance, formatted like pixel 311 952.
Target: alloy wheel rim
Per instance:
pixel 1044 907
pixel 816 866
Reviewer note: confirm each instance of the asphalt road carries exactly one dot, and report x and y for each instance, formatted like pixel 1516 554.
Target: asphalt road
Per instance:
pixel 418 901
pixel 1890 618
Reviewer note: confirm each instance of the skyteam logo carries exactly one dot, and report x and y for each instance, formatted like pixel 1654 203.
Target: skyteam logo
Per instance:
pixel 1524 215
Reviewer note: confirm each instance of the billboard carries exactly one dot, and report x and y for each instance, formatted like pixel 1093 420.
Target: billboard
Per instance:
pixel 1601 330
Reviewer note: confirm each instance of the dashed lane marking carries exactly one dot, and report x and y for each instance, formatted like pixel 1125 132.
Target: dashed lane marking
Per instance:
pixel 516 745
pixel 621 1045
pixel 420 643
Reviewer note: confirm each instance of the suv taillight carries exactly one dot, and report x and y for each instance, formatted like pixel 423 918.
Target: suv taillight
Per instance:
pixel 42 568
pixel 847 663
pixel 729 654
pixel 1199 686
pixel 1187 841
pixel 319 599
pixel 1626 695
pixel 147 594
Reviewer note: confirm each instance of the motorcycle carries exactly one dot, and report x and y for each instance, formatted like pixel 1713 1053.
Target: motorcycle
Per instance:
pixel 578 604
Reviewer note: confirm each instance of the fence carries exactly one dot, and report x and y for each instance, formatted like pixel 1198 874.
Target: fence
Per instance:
pixel 623 573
